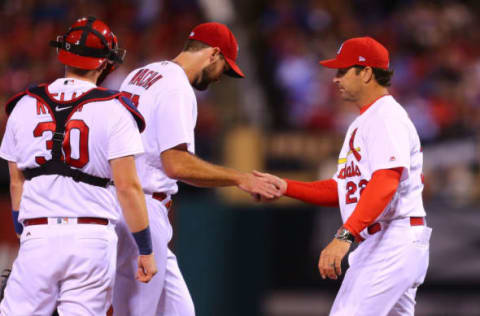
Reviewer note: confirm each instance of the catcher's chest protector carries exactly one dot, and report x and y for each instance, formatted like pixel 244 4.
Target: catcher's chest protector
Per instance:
pixel 61 112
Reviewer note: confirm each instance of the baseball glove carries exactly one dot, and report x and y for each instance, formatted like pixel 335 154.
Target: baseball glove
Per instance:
pixel 3 283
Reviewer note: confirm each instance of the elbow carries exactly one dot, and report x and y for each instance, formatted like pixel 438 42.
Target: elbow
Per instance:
pixel 128 187
pixel 174 170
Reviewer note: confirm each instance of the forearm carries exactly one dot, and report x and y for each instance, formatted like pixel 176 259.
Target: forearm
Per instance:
pixel 374 199
pixel 129 193
pixel 132 201
pixel 323 192
pixel 188 168
pixel 16 185
pixel 16 190
pixel 204 174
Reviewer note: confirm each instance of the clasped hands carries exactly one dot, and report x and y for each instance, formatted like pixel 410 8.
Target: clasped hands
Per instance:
pixel 267 187
pixel 263 187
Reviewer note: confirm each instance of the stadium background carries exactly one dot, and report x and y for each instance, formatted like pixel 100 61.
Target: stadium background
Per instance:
pixel 241 258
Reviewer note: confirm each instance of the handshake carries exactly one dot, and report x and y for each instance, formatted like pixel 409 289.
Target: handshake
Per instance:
pixel 263 187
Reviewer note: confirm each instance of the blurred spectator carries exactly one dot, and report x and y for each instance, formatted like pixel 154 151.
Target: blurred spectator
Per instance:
pixel 434 52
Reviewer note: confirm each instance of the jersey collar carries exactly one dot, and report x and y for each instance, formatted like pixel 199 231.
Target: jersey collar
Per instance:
pixel 71 82
pixel 366 107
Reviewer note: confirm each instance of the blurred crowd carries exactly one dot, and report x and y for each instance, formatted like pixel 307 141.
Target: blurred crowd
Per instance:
pixel 434 53
pixel 149 30
pixel 433 44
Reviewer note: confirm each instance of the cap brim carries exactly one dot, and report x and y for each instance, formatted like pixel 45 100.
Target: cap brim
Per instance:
pixel 234 69
pixel 334 63
pixel 78 61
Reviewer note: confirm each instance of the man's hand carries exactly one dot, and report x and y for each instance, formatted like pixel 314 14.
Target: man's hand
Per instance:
pixel 258 187
pixel 330 262
pixel 270 178
pixel 147 268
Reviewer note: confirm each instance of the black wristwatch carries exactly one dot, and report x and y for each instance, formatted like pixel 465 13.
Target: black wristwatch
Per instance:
pixel 345 235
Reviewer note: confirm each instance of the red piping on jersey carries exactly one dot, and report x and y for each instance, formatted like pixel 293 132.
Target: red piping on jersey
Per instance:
pixel 374 198
pixel 11 99
pixel 365 107
pixel 323 192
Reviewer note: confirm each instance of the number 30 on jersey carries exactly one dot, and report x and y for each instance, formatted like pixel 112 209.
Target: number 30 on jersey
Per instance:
pixel 71 125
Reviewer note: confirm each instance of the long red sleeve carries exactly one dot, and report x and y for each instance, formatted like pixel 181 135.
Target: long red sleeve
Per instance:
pixel 375 197
pixel 324 192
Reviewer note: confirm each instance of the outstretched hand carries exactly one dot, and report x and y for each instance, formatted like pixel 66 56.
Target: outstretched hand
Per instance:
pixel 279 183
pixel 259 188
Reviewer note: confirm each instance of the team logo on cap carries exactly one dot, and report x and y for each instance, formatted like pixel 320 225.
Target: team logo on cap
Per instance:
pixel 361 58
pixel 191 34
pixel 339 49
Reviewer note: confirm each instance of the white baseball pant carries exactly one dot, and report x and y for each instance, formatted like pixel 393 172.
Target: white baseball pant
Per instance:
pixel 385 272
pixel 67 266
pixel 167 293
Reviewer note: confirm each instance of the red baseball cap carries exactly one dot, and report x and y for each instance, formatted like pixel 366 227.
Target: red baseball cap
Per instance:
pixel 363 51
pixel 218 35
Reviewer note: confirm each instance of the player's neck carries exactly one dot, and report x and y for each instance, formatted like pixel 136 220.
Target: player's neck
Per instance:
pixel 91 76
pixel 371 96
pixel 191 64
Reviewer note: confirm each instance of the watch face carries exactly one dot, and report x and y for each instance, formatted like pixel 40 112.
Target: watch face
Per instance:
pixel 344 234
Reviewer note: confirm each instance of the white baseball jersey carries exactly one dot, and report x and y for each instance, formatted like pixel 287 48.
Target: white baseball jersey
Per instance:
pixel 167 102
pixel 105 130
pixel 169 106
pixel 382 137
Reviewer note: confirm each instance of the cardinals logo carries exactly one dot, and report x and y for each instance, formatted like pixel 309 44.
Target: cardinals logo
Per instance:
pixel 352 147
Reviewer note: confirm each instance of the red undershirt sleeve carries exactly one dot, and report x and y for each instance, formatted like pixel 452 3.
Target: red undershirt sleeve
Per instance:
pixel 323 192
pixel 375 197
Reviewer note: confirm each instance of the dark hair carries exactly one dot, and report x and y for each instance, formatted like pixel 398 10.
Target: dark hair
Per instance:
pixel 194 45
pixel 382 76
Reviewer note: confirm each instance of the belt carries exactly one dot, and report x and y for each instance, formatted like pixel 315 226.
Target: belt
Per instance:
pixel 376 227
pixel 160 196
pixel 60 220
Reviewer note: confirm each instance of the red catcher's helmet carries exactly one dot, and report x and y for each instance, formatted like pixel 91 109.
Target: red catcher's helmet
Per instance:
pixel 88 44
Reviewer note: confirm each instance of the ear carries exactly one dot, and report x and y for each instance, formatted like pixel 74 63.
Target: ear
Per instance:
pixel 367 74
pixel 215 54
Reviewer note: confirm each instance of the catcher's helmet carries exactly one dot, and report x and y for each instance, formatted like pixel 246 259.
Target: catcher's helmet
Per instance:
pixel 88 44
